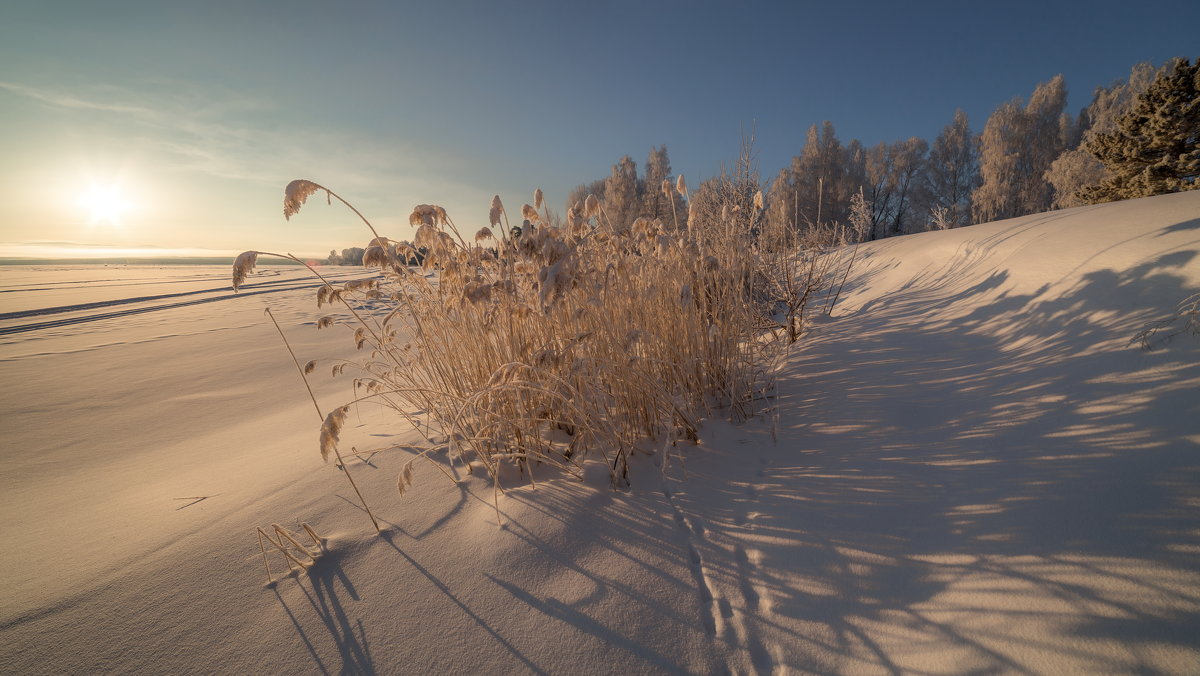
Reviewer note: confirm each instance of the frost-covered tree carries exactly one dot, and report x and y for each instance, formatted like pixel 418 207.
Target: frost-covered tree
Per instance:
pixel 952 172
pixel 855 176
pixel 621 202
pixel 1076 168
pixel 823 173
pixel 730 202
pixel 580 192
pixel 816 188
pixel 894 187
pixel 782 204
pixel 910 198
pixel 879 187
pixel 655 202
pixel 999 147
pixel 1073 171
pixel 1018 144
pixel 625 197
pixel 1155 147
pixel 713 206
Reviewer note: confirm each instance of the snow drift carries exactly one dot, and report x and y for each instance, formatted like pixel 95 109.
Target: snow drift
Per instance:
pixel 969 469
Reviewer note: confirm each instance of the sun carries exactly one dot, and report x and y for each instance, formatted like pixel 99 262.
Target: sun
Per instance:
pixel 106 204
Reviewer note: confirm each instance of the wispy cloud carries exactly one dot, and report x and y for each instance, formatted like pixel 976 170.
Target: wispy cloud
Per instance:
pixel 216 135
pixel 236 137
pixel 63 100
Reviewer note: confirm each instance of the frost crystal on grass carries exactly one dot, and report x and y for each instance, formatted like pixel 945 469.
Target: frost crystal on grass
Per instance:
pixel 428 214
pixel 404 481
pixel 295 195
pixel 427 237
pixel 576 318
pixel 373 256
pixel 330 430
pixel 496 210
pixel 243 265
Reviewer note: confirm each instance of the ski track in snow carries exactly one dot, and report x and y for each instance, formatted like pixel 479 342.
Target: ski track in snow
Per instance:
pixel 221 293
pixel 87 312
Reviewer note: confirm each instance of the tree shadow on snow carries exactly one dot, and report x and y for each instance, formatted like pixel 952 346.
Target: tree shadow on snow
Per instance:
pixel 968 479
pixel 1009 481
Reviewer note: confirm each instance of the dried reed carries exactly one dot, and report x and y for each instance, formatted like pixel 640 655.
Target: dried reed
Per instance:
pixel 591 340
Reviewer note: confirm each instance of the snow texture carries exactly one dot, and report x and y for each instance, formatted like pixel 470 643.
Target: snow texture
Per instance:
pixel 974 472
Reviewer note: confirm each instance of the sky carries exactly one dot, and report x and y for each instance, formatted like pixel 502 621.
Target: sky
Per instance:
pixel 175 126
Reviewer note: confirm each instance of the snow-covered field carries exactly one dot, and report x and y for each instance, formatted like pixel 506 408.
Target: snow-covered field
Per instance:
pixel 972 471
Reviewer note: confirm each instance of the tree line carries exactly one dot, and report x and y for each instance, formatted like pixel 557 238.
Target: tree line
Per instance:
pixel 1137 137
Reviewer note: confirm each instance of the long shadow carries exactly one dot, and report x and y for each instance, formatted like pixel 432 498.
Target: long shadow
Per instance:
pixel 968 462
pixel 442 587
pixel 1193 224
pixel 324 600
pixel 1019 450
pixel 556 609
pixel 564 531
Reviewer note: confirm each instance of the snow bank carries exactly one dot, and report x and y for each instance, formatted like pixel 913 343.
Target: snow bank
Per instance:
pixel 973 470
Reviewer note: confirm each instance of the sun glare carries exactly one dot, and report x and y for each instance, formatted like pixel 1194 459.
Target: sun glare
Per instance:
pixel 105 204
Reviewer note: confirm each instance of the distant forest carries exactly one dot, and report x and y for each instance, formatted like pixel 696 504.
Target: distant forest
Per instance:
pixel 1138 136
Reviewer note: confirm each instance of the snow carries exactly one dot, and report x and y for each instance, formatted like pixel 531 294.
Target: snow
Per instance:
pixel 972 470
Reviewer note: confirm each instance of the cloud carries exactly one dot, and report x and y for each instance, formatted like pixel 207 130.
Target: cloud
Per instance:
pixel 237 137
pixel 61 100
pixel 213 133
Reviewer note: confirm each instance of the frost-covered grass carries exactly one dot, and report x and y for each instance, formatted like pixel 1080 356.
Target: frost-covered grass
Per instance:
pixel 582 339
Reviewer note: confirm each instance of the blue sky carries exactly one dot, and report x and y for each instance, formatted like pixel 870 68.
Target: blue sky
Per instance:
pixel 200 113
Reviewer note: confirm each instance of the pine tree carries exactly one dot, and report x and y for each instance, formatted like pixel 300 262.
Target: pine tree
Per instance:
pixel 1077 168
pixel 1155 148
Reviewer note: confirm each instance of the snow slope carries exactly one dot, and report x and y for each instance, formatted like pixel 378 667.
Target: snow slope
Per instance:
pixel 972 471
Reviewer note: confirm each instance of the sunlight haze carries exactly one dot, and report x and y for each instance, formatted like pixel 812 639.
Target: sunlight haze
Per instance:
pixel 198 115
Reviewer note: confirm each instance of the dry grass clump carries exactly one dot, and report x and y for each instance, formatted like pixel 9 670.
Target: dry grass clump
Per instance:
pixel 557 344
